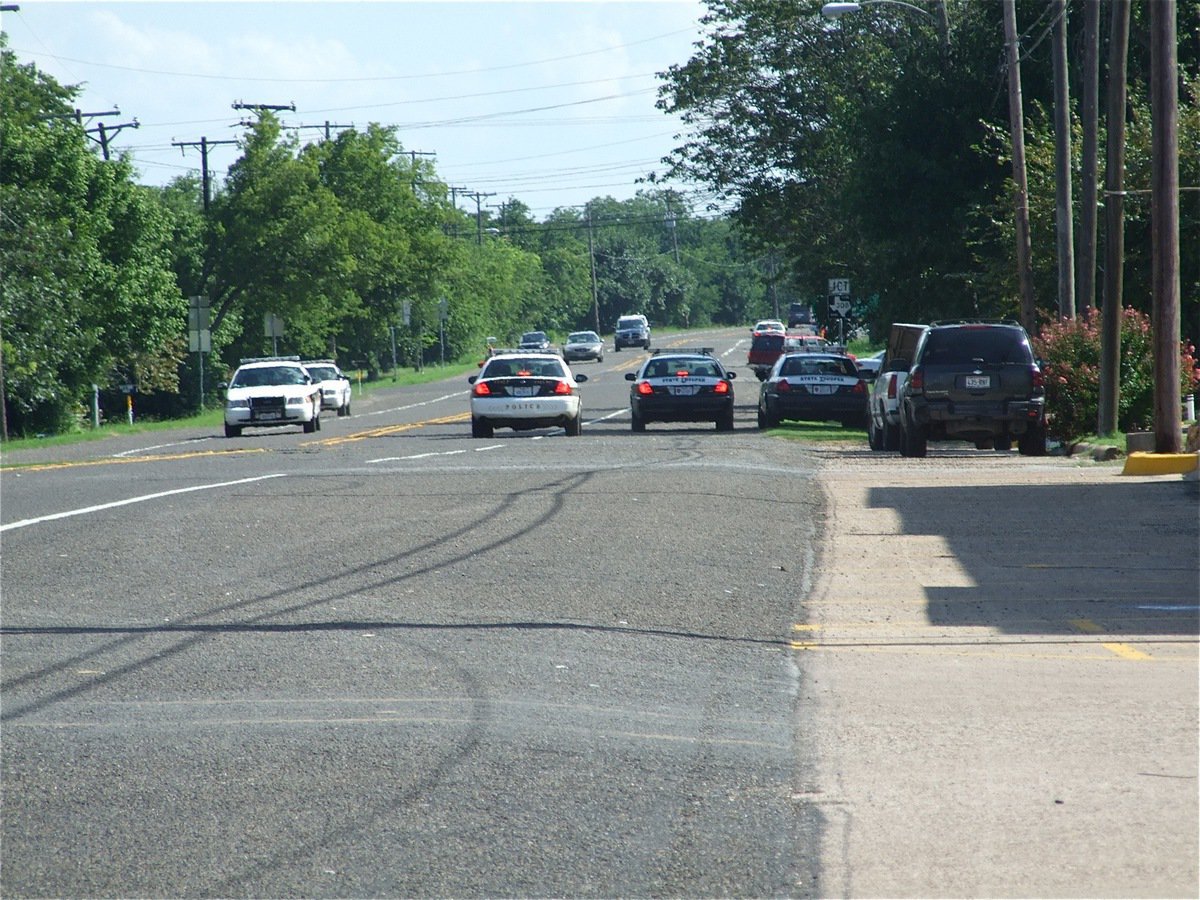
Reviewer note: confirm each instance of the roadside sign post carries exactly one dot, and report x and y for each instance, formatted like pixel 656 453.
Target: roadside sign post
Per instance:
pixel 199 336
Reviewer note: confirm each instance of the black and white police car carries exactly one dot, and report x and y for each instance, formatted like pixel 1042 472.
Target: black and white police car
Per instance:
pixel 681 385
pixel 814 387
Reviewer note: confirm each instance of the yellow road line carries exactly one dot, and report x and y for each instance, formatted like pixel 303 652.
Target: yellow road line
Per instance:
pixel 1087 626
pixel 158 457
pixel 388 430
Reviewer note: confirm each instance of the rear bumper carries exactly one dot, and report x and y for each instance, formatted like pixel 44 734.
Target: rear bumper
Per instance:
pixel 1009 416
pixel 814 408
pixel 678 409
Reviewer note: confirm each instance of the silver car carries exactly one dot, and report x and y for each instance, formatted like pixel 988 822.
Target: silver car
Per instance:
pixel 583 345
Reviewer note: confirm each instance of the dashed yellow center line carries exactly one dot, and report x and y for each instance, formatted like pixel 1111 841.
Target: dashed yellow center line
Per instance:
pixel 388 430
pixel 1087 626
pixel 117 460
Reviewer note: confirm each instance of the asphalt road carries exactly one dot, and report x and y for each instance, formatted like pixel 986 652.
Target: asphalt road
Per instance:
pixel 389 660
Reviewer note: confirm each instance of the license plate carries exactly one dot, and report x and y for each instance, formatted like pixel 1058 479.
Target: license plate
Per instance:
pixel 821 388
pixel 524 391
pixel 267 415
pixel 683 390
pixel 978 381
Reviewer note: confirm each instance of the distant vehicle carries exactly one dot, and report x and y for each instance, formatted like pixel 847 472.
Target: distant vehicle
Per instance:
pixel 632 331
pixel 525 391
pixel 583 345
pixel 271 391
pixel 768 326
pixel 977 382
pixel 335 386
pixel 765 348
pixel 800 314
pixel 814 387
pixel 534 340
pixel 681 386
pixel 883 403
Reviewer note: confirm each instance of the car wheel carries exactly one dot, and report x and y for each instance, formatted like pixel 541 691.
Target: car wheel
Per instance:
pixel 1003 444
pixel 725 423
pixel 891 437
pixel 574 426
pixel 913 441
pixel 762 418
pixel 233 431
pixel 347 407
pixel 310 426
pixel 1033 441
pixel 874 437
pixel 636 422
pixel 600 358
pixel 616 348
pixel 480 428
pixel 985 445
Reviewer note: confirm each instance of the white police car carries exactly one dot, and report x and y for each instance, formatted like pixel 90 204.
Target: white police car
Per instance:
pixel 525 391
pixel 334 385
pixel 271 391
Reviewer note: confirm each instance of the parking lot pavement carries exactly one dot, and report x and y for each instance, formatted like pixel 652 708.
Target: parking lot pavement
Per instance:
pixel 1001 678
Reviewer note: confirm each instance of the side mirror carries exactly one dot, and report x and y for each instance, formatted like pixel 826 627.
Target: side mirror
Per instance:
pixel 471 379
pixel 581 378
pixel 631 376
pixel 222 385
pixel 730 374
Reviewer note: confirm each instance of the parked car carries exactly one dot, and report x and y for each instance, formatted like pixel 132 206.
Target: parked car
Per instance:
pixel 632 331
pixel 883 403
pixel 870 366
pixel 534 340
pixel 525 391
pixel 335 386
pixel 269 392
pixel 977 382
pixel 814 387
pixel 583 345
pixel 681 386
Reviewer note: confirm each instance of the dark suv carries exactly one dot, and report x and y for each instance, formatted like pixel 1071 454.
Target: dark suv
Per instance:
pixel 974 381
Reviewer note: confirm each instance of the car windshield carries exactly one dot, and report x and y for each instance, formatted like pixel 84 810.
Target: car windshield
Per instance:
pixel 630 323
pixel 800 365
pixel 323 373
pixel 515 367
pixel 583 337
pixel 961 346
pixel 268 376
pixel 532 337
pixel 772 341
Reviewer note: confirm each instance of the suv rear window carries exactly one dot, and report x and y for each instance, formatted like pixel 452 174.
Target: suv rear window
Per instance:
pixel 962 346
pixel 772 341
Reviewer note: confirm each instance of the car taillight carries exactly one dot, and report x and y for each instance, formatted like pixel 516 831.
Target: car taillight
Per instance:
pixel 561 387
pixel 891 391
pixel 481 389
pixel 1039 380
pixel 860 387
pixel 782 386
pixel 721 387
pixel 916 381
pixel 644 388
pixel 682 373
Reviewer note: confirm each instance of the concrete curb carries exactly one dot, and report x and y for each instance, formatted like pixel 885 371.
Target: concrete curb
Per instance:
pixel 1161 463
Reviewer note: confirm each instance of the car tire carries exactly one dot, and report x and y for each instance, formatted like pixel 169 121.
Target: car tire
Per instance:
pixel 891 437
pixel 762 419
pixel 725 422
pixel 600 358
pixel 1003 444
pixel 616 348
pixel 347 408
pixel 913 441
pixel 310 426
pixel 636 422
pixel 233 431
pixel 985 445
pixel 1033 441
pixel 480 428
pixel 574 426
pixel 874 435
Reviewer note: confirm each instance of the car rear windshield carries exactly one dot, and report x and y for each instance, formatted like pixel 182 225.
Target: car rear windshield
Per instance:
pixel 696 367
pixel 630 323
pixel 772 341
pixel 809 365
pixel 323 373
pixel 960 346
pixel 524 368
pixel 583 337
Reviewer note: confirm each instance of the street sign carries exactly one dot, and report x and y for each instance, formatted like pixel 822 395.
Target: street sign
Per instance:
pixel 839 287
pixel 841 306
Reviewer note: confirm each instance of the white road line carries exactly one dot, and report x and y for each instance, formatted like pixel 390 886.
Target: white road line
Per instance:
pixel 124 453
pixel 380 412
pixel 416 456
pixel 611 415
pixel 142 499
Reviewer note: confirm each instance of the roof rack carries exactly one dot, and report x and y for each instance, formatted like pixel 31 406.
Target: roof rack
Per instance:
pixel 682 351
pixel 974 322
pixel 319 362
pixel 254 359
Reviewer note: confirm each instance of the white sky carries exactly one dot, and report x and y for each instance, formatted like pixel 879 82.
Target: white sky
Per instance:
pixel 548 102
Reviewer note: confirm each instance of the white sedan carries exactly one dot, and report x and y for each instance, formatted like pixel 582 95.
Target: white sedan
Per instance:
pixel 335 386
pixel 525 391
pixel 269 392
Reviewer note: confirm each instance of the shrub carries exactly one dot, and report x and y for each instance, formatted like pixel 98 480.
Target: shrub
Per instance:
pixel 1070 353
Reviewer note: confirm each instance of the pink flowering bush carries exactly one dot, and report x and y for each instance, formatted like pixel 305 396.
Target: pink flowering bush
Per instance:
pixel 1070 354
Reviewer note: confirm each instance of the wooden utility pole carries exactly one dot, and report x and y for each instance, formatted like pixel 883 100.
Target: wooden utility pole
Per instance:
pixel 1085 279
pixel 1164 224
pixel 204 143
pixel 1016 119
pixel 592 260
pixel 1114 222
pixel 1064 216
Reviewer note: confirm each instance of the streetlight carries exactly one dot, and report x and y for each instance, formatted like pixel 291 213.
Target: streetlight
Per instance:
pixel 837 10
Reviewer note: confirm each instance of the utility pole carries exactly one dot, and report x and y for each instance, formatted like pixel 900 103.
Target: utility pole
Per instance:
pixel 107 134
pixel 1114 221
pixel 328 127
pixel 592 260
pixel 1085 280
pixel 478 196
pixel 263 107
pixel 1064 216
pixel 204 143
pixel 1164 219
pixel 1016 119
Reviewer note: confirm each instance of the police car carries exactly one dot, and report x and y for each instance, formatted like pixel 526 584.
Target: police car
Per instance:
pixel 524 391
pixel 335 386
pixel 271 391
pixel 681 386
pixel 815 387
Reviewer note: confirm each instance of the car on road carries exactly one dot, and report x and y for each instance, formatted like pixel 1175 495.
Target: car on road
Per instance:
pixel 534 340
pixel 765 349
pixel 334 385
pixel 269 392
pixel 800 315
pixel 883 401
pixel 813 387
pixel 977 382
pixel 632 331
pixel 681 385
pixel 525 391
pixel 765 326
pixel 583 345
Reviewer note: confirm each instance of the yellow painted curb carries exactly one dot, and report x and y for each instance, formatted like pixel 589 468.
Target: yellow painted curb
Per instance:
pixel 1161 463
